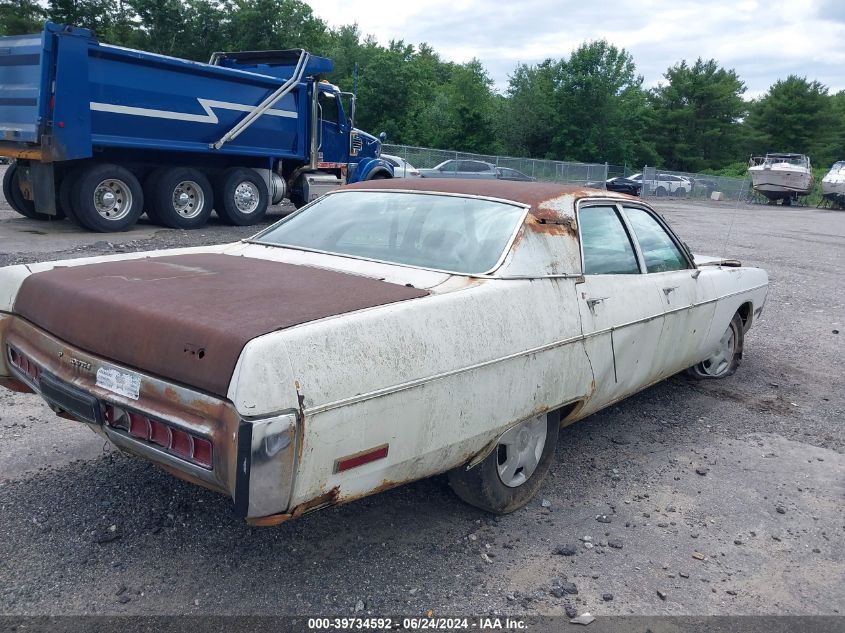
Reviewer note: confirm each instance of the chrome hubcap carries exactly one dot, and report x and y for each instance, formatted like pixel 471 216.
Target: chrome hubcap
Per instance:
pixel 113 199
pixel 721 360
pixel 188 199
pixel 246 197
pixel 519 451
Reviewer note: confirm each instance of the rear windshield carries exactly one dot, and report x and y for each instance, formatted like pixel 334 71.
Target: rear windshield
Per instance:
pixel 436 231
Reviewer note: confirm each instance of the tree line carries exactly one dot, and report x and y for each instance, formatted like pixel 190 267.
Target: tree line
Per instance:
pixel 591 106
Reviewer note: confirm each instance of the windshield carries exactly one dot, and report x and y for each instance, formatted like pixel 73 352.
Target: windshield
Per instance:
pixel 442 232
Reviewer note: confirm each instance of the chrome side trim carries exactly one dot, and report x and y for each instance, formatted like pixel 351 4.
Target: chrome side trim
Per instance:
pixel 419 382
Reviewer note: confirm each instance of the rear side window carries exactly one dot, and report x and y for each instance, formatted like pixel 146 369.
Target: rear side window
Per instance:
pixel 660 252
pixel 607 247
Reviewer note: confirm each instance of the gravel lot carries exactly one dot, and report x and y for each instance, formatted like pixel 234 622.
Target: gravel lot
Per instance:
pixel 87 531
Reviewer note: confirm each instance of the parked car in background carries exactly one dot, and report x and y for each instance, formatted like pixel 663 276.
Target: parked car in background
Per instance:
pixel 465 322
pixel 506 173
pixel 460 168
pixel 665 184
pixel 401 167
pixel 704 186
pixel 619 185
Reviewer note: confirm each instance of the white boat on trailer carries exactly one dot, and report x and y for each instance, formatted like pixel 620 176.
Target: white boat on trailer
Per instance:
pixel 781 176
pixel 833 184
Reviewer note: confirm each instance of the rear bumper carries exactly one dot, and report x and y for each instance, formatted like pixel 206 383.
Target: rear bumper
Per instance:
pixel 252 460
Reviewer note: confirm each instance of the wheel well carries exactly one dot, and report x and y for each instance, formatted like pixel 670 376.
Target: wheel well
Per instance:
pixel 568 409
pixel 744 313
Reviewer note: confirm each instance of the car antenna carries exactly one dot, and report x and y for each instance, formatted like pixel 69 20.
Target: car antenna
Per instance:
pixel 737 202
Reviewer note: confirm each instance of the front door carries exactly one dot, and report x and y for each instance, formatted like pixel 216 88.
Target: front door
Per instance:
pixel 621 308
pixel 687 295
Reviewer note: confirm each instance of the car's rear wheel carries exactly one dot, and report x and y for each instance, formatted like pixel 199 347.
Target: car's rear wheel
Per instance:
pixel 725 360
pixel 660 191
pixel 512 473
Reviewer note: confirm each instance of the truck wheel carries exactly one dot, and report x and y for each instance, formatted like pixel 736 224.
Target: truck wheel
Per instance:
pixel 66 189
pixel 179 197
pixel 509 477
pixel 108 198
pixel 725 361
pixel 14 196
pixel 241 196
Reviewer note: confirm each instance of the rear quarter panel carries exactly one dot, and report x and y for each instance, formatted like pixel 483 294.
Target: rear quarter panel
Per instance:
pixel 437 379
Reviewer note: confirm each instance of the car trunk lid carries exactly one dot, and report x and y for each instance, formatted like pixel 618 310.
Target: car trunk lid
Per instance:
pixel 186 318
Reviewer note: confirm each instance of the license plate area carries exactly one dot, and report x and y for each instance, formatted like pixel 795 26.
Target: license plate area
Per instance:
pixel 75 401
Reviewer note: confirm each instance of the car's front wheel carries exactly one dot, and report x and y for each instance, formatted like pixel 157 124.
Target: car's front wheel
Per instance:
pixel 725 360
pixel 512 473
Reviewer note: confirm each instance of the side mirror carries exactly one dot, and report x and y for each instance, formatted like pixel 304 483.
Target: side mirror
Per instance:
pixel 382 137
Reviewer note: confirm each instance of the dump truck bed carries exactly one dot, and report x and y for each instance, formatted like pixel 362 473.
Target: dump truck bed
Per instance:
pixel 63 94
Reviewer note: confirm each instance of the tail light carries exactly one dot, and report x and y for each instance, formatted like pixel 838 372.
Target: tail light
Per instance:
pixel 185 445
pixel 24 364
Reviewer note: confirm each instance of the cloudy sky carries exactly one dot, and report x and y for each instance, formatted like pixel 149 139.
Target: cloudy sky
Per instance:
pixel 763 40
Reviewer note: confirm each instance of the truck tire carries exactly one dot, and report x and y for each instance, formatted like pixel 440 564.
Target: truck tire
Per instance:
pixel 241 196
pixel 14 196
pixel 107 198
pixel 66 188
pixel 512 473
pixel 178 197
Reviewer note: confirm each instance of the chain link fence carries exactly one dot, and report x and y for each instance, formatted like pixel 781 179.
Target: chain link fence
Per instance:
pixel 661 182
pixel 525 168
pixel 656 183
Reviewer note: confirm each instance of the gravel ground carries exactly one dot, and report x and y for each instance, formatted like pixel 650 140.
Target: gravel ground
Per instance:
pixel 87 531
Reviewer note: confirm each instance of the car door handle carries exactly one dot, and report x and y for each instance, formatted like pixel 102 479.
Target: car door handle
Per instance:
pixel 669 290
pixel 594 301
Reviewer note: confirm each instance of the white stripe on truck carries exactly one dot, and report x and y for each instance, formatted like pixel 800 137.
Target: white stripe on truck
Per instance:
pixel 207 105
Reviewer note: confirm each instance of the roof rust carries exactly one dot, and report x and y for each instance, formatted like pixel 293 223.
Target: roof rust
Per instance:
pixel 548 201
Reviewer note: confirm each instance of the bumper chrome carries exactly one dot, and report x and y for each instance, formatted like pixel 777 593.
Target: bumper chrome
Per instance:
pixel 253 459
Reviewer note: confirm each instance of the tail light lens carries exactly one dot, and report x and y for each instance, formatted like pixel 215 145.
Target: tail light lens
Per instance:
pixel 160 433
pixel 192 448
pixel 24 364
pixel 139 426
pixel 180 443
pixel 202 452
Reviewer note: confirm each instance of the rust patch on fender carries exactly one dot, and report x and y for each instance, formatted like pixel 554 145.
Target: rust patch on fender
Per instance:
pixel 270 521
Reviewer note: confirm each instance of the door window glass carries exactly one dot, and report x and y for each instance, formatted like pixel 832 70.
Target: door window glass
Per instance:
pixel 328 107
pixel 607 247
pixel 660 252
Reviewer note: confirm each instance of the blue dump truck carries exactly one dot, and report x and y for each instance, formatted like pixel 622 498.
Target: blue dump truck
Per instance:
pixel 102 134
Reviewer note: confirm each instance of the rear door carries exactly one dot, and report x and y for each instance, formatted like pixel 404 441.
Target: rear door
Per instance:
pixel 621 308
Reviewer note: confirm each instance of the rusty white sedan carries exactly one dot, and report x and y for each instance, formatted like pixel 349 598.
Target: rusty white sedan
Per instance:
pixel 384 333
